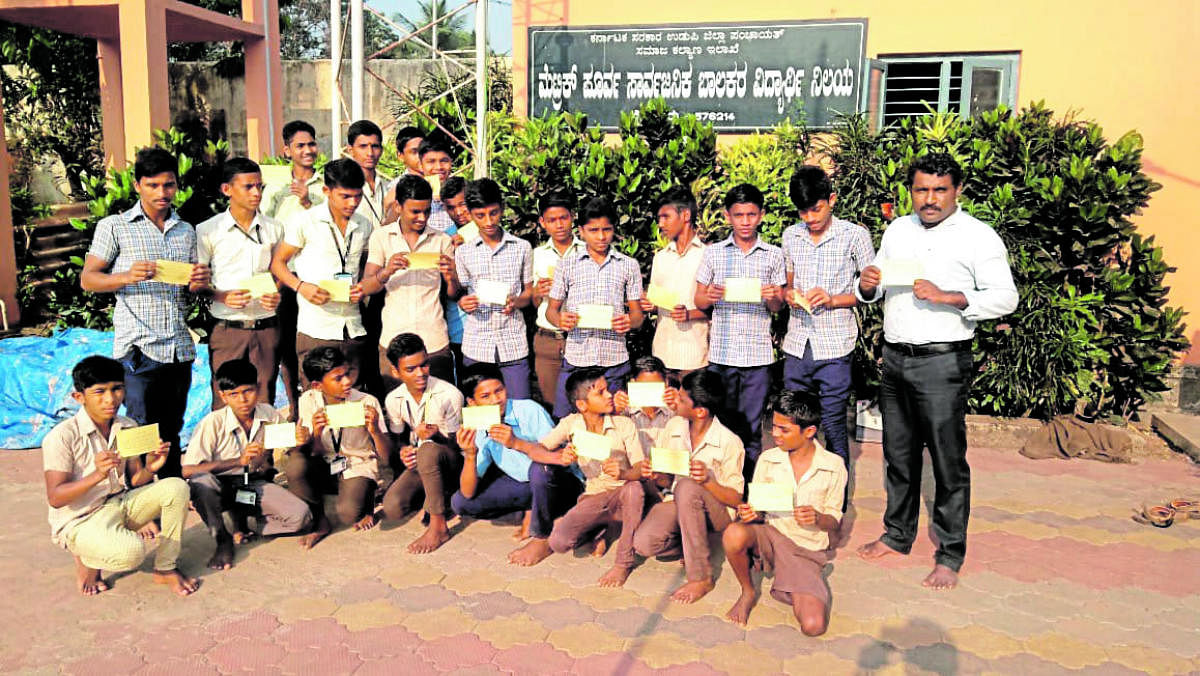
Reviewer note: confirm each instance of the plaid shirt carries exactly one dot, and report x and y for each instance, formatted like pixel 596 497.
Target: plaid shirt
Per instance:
pixel 579 280
pixel 489 334
pixel 148 315
pixel 832 264
pixel 740 334
pixel 439 218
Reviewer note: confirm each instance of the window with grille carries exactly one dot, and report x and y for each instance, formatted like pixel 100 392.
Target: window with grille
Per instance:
pixel 907 86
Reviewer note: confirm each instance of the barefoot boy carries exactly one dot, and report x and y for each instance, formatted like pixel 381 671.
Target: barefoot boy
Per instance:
pixel 227 467
pixel 704 500
pixel 424 414
pixel 613 491
pixel 97 499
pixel 793 543
pixel 352 454
pixel 506 471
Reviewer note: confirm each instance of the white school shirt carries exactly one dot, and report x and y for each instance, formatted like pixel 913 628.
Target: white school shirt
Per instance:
pixel 680 345
pixel 235 255
pixel 440 405
pixel 322 248
pixel 960 254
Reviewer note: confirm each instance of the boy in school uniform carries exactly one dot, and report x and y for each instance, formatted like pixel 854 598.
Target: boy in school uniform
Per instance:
pixel 454 198
pixel 98 499
pixel 282 201
pixel 506 471
pixel 824 256
pixel 740 349
pixel 412 302
pixel 424 415
pixel 436 163
pixel 229 470
pixel 705 498
pixel 613 490
pixel 151 338
pixel 793 543
pixel 499 265
pixel 327 244
pixel 353 455
pixel 596 276
pixel 549 341
pixel 238 245
pixel 681 335
pixel 649 421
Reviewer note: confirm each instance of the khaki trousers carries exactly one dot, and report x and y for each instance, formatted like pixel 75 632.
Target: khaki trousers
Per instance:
pixel 107 538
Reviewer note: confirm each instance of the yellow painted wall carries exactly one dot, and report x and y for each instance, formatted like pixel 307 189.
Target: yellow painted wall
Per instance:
pixel 1126 64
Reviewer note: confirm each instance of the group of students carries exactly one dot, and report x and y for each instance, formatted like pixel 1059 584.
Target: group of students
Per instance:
pixel 566 447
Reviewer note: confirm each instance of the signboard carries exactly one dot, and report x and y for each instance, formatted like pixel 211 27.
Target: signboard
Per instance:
pixel 739 76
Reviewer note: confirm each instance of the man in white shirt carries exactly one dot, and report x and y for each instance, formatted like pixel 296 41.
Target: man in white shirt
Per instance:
pixel 237 245
pixel 328 244
pixel 941 272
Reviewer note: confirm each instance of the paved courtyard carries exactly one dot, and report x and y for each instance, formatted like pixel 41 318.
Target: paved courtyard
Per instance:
pixel 1058 579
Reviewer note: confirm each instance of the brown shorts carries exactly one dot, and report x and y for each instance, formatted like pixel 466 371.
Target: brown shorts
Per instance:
pixel 797 570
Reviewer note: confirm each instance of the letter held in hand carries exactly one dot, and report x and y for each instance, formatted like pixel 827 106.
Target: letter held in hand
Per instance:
pixel 349 414
pixel 423 260
pixel 339 289
pixel 259 285
pixel 595 317
pixel 468 232
pixel 133 441
pixel 480 417
pixel 900 271
pixel 172 272
pixel 590 445
pixel 492 292
pixel 670 461
pixel 660 296
pixel 766 497
pixel 647 395
pixel 279 435
pixel 743 290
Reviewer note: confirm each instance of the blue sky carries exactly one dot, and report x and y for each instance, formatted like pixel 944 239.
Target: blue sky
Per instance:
pixel 499 18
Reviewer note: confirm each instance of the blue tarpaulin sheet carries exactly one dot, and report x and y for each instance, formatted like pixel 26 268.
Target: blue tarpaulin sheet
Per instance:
pixel 35 384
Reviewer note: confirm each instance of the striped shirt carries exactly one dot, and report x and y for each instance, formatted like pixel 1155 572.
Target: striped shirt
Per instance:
pixel 439 218
pixel 579 280
pixel 741 332
pixel 149 315
pixel 832 264
pixel 488 334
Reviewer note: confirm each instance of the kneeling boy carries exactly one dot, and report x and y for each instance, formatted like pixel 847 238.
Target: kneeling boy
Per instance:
pixel 229 469
pixel 614 491
pixel 793 543
pixel 98 500
pixel 424 414
pixel 506 471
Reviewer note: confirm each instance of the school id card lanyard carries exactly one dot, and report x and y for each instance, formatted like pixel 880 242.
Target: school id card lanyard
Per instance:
pixel 343 255
pixel 245 495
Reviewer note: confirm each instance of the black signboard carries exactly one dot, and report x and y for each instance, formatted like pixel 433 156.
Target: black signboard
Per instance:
pixel 738 76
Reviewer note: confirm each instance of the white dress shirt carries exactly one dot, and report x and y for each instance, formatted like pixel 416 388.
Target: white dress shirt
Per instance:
pixel 325 252
pixel 960 254
pixel 235 255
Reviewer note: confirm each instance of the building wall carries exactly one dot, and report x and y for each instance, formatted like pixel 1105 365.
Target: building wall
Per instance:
pixel 1125 64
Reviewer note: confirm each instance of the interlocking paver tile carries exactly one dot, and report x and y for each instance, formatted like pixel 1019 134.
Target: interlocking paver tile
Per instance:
pixel 316 633
pixel 457 652
pixel 426 597
pixel 492 604
pixel 741 658
pixel 368 614
pixel 304 608
pixel 660 651
pixel 708 630
pixel 242 653
pixel 581 640
pixel 432 624
pixel 356 591
pixel 537 658
pixel 330 659
pixel 410 666
pixel 514 630
pixel 108 662
pixel 560 613
pixel 382 642
pixel 193 665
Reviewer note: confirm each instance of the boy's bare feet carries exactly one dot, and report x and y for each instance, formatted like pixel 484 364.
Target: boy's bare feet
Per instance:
pixel 942 578
pixel 533 552
pixel 367 522
pixel 183 586
pixel 149 531
pixel 615 577
pixel 692 591
pixel 875 550
pixel 222 559
pixel 739 613
pixel 89 580
pixel 431 539
pixel 318 533
pixel 522 531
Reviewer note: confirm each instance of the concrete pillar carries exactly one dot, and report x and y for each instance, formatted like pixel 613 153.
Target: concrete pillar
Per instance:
pixel 144 86
pixel 8 253
pixel 264 81
pixel 112 103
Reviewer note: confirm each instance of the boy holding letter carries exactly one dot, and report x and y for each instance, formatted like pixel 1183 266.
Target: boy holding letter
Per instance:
pixel 681 336
pixel 549 343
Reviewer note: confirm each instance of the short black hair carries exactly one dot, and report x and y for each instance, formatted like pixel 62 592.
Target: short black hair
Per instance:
pixel 404 345
pixel 744 193
pixel 581 380
pixel 235 373
pixel 809 185
pixel 648 364
pixel 295 126
pixel 238 165
pixel 154 161
pixel 344 173
pixel 801 408
pixel 597 208
pixel 405 135
pixel 936 164
pixel 95 370
pixel 363 128
pixel 707 390
pixel 474 376
pixel 679 198
pixel 410 187
pixel 556 198
pixel 431 144
pixel 321 361
pixel 452 187
pixel 483 192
